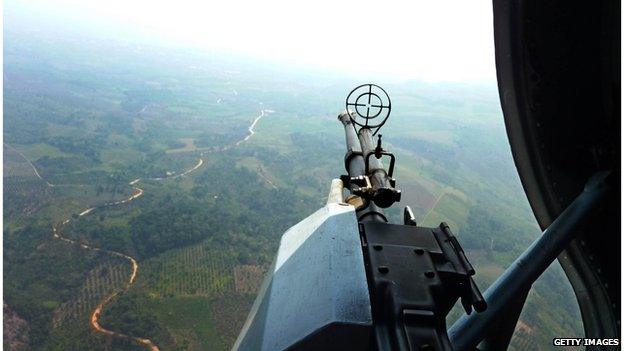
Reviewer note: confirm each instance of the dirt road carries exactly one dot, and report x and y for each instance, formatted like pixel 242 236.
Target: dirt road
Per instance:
pixel 136 193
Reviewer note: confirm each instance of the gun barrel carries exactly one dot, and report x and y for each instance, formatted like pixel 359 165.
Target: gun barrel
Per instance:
pixel 355 166
pixel 385 194
pixel 355 162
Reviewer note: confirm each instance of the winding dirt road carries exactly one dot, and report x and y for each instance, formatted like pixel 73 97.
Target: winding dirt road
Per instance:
pixel 136 193
pixel 252 127
pixel 30 164
pixel 95 315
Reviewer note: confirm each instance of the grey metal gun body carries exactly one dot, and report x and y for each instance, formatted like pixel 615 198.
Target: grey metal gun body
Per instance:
pixel 315 296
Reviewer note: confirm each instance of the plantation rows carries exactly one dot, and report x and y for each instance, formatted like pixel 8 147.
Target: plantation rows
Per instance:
pixel 194 271
pixel 248 278
pixel 523 340
pixel 524 337
pixel 101 281
pixel 15 165
pixel 200 270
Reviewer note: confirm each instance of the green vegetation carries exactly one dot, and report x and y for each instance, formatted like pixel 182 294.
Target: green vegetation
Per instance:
pixel 94 116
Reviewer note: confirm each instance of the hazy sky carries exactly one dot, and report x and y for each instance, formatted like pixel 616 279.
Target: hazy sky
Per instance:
pixel 428 40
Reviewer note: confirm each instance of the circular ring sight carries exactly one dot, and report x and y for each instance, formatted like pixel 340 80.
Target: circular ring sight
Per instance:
pixel 369 106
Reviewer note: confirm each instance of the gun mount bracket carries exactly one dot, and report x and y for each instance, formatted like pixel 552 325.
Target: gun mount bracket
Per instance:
pixel 360 185
pixel 356 201
pixel 378 154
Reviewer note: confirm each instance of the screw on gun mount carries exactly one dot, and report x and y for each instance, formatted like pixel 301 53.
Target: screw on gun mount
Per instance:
pixel 368 180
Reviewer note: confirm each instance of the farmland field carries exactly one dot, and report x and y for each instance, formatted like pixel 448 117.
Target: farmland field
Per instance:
pixel 142 179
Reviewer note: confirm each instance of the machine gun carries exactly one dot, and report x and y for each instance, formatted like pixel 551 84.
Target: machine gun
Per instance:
pixel 346 279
